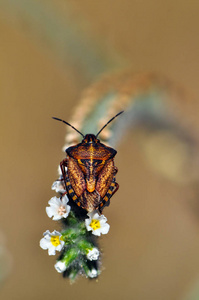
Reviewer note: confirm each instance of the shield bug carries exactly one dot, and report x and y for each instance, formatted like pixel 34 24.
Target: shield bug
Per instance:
pixel 88 171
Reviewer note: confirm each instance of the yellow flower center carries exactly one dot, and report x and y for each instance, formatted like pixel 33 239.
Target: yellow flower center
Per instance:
pixel 55 240
pixel 95 224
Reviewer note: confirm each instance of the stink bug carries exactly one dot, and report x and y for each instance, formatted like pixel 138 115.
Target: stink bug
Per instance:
pixel 88 171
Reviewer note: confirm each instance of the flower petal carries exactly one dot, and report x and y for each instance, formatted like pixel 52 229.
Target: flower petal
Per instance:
pixel 54 201
pixel 43 244
pixel 60 266
pixel 57 217
pixel 47 232
pixel 64 199
pixel 49 211
pixel 93 254
pixel 58 186
pixel 93 273
pixel 96 232
pixel 105 228
pixel 55 232
pixel 51 251
pixel 96 216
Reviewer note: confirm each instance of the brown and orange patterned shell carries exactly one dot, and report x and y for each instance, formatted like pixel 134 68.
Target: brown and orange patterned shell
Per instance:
pixel 90 169
pixel 95 150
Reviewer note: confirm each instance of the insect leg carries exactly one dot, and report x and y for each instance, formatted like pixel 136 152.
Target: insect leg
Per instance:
pixel 116 188
pixel 63 165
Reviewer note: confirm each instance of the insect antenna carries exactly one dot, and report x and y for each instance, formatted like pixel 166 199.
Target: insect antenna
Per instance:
pixel 68 125
pixel 109 122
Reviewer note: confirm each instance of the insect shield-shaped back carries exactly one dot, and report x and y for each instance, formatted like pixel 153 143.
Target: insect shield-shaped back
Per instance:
pixel 90 171
pixel 90 175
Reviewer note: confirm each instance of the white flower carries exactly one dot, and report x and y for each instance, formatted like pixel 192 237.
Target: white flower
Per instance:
pixel 58 208
pixel 92 273
pixel 93 254
pixel 58 186
pixel 60 266
pixel 97 223
pixel 52 241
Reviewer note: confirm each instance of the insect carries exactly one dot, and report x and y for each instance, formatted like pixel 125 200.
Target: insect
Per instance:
pixel 89 172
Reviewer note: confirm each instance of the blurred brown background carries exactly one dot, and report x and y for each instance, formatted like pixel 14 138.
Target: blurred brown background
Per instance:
pixel 152 249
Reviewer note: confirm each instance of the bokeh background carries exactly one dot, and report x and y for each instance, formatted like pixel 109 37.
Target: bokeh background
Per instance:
pixel 50 51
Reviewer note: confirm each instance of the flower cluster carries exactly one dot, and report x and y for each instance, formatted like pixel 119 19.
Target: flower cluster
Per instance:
pixel 77 242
